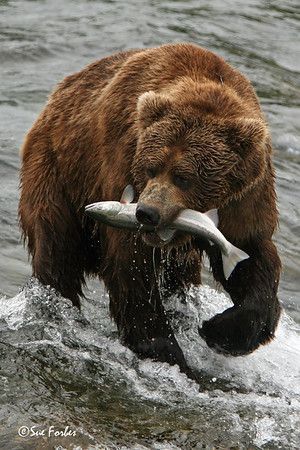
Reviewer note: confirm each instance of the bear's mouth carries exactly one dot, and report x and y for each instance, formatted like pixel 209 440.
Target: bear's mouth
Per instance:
pixel 158 238
pixel 176 239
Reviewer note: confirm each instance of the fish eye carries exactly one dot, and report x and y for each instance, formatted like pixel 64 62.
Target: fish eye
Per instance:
pixel 151 172
pixel 181 182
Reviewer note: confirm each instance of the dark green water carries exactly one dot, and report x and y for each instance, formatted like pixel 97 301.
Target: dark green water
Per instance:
pixel 63 369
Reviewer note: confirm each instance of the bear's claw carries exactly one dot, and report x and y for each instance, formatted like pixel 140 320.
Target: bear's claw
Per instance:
pixel 236 331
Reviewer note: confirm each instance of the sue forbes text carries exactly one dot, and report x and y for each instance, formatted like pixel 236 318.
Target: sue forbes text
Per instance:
pixel 51 431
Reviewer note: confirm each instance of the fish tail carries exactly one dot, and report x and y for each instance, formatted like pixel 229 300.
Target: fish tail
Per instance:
pixel 232 259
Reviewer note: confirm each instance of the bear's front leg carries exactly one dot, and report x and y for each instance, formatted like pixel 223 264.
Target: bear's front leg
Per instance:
pixel 136 307
pixel 253 289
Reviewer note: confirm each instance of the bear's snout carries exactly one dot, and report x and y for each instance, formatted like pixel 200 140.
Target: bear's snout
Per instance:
pixel 158 204
pixel 147 215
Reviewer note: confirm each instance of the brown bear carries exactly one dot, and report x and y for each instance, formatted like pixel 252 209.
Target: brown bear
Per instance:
pixel 186 130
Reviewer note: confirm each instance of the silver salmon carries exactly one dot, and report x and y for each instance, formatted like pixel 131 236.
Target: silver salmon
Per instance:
pixel 122 215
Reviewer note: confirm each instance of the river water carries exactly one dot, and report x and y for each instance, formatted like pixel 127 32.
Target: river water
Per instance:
pixel 65 371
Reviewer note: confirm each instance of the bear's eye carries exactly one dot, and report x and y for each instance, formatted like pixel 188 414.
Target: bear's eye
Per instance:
pixel 151 172
pixel 181 182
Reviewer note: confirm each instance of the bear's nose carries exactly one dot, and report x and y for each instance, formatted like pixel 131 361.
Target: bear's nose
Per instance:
pixel 147 215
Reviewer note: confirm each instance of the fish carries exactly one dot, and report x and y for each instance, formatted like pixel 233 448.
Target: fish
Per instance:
pixel 122 215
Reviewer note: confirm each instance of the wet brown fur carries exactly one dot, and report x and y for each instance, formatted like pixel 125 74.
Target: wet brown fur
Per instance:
pixel 176 110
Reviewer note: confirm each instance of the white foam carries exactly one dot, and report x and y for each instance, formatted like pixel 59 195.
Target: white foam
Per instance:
pixel 12 310
pixel 274 368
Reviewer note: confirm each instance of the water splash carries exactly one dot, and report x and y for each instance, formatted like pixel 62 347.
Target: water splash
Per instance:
pixel 70 359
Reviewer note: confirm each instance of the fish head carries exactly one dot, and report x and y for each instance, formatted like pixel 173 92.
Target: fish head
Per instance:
pixel 106 210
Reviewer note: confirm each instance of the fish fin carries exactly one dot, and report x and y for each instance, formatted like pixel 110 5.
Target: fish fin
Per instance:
pixel 229 262
pixel 128 194
pixel 213 215
pixel 166 234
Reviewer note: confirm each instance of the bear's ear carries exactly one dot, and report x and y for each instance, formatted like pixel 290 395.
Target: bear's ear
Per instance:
pixel 151 107
pixel 245 134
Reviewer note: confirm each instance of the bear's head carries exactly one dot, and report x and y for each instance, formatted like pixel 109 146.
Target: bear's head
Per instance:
pixel 195 150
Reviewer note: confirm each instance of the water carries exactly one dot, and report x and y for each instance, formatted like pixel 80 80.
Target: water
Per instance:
pixel 65 368
pixel 59 367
